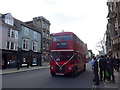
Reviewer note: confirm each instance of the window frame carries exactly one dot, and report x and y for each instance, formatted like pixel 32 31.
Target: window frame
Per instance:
pixel 26 44
pixel 9 20
pixel 35 46
pixel 12 33
pixel 26 30
pixel 35 35
pixel 9 46
pixel 12 48
pixel 63 38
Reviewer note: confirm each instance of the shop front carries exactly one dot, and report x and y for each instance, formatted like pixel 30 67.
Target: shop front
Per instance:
pixel 35 59
pixel 9 58
pixel 116 47
pixel 30 58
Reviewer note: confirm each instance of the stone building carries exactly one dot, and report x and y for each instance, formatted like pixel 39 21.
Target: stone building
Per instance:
pixel 29 45
pixel 42 25
pixel 19 42
pixel 9 40
pixel 113 28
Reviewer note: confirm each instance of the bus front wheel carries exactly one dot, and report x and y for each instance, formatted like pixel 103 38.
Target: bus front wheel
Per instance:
pixel 53 74
pixel 75 72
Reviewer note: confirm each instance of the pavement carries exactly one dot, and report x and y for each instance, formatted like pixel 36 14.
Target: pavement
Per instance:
pixel 23 69
pixel 109 84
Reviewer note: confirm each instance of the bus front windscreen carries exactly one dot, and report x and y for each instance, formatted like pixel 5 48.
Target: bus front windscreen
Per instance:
pixel 62 56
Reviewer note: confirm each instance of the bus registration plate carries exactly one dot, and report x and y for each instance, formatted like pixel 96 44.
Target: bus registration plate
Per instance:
pixel 59 74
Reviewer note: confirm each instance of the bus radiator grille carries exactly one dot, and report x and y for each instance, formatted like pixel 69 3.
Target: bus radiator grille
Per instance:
pixel 58 70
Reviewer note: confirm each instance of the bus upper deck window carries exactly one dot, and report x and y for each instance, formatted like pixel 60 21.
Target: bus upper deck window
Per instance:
pixel 63 37
pixel 67 37
pixel 57 38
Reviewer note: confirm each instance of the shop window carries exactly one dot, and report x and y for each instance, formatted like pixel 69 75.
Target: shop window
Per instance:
pixel 34 61
pixel 24 63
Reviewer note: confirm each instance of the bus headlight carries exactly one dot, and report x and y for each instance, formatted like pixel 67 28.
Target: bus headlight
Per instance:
pixel 69 68
pixel 52 67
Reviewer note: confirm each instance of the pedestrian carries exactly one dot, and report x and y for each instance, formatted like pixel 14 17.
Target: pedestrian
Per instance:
pixel 110 66
pixel 107 76
pixel 94 63
pixel 103 68
pixel 27 64
pixel 117 64
pixel 18 64
pixel 2 64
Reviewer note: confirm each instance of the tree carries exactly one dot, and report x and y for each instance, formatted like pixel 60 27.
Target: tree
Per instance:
pixel 100 47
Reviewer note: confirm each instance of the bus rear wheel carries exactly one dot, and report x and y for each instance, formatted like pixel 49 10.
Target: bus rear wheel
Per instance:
pixel 53 74
pixel 84 68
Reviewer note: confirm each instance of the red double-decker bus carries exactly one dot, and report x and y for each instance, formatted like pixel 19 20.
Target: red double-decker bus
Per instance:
pixel 68 54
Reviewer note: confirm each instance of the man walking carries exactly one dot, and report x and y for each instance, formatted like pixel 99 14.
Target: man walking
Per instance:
pixel 18 64
pixel 117 64
pixel 103 68
pixel 110 66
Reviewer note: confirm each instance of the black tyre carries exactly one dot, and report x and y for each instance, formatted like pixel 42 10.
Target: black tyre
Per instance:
pixel 75 72
pixel 84 68
pixel 53 74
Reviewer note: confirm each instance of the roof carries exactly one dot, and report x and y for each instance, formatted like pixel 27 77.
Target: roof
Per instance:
pixel 42 19
pixel 64 33
pixel 17 23
pixel 113 0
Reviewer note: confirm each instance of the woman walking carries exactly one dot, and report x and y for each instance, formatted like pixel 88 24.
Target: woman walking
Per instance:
pixel 95 71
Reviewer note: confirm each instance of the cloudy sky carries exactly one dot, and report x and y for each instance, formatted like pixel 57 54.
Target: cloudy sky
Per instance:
pixel 86 18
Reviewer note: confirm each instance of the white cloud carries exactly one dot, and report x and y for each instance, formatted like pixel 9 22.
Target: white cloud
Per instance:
pixel 86 18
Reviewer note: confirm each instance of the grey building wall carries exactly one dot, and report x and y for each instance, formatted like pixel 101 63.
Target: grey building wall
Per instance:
pixel 6 38
pixel 42 25
pixel 113 28
pixel 31 38
pixel 18 53
pixel 9 56
pixel 0 31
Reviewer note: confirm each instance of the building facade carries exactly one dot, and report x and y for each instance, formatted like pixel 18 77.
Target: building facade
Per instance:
pixel 20 42
pixel 113 28
pixel 42 25
pixel 29 45
pixel 9 46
